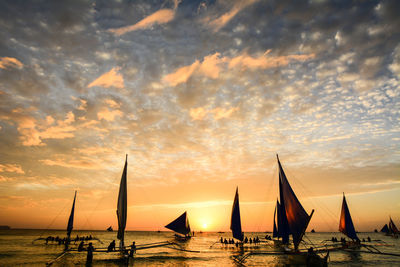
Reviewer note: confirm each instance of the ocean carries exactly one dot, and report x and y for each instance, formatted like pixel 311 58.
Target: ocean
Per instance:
pixel 17 249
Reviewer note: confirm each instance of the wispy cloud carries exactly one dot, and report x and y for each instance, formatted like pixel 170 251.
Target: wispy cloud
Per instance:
pixel 10 62
pixel 212 65
pixel 161 16
pixel 109 79
pixel 217 23
pixel 218 113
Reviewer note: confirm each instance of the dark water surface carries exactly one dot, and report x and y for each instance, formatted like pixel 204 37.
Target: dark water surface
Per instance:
pixel 17 249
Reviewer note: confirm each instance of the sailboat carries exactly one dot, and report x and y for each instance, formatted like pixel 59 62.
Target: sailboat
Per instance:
pixel 236 225
pixel 70 226
pixel 180 226
pixel 290 218
pixel 390 229
pixel 346 226
pixel 293 220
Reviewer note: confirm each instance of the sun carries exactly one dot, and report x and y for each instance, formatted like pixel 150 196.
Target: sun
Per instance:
pixel 205 225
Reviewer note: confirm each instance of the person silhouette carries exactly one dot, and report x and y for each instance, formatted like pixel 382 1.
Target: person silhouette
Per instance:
pixel 111 246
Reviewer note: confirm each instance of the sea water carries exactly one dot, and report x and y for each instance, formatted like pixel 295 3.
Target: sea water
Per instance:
pixel 18 249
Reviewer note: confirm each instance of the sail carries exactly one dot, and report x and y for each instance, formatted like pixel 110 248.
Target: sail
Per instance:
pixel 236 225
pixel 122 204
pixel 297 217
pixel 385 229
pixel 180 225
pixel 346 225
pixel 283 226
pixel 392 227
pixel 71 219
pixel 275 230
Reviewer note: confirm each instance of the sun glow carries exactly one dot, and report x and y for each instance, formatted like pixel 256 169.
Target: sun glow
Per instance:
pixel 205 225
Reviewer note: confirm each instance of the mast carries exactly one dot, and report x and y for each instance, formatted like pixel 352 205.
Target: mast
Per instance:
pixel 236 225
pixel 297 218
pixel 71 219
pixel 346 225
pixel 122 205
pixel 180 225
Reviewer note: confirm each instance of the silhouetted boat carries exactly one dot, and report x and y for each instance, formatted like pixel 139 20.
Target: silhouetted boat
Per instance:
pixel 110 229
pixel 236 225
pixel 180 226
pixel 346 226
pixel 293 220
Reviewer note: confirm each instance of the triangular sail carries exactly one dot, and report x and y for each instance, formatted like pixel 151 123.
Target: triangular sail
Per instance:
pixel 180 225
pixel 385 229
pixel 392 227
pixel 122 205
pixel 236 225
pixel 346 225
pixel 71 219
pixel 297 217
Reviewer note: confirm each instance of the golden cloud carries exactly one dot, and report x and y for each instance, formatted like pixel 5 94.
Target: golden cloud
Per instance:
pixel 11 168
pixel 10 62
pixel 265 62
pixel 161 16
pixel 219 113
pixel 109 79
pixel 217 23
pixel 108 115
pixel 181 75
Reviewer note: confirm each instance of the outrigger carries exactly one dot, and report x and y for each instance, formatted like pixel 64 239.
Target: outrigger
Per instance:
pixel 66 241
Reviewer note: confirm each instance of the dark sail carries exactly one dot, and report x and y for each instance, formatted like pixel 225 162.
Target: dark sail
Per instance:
pixel 180 225
pixel 346 225
pixel 283 226
pixel 275 230
pixel 297 217
pixel 236 225
pixel 392 227
pixel 71 219
pixel 122 205
pixel 385 229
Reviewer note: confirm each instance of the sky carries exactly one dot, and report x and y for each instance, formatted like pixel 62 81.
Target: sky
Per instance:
pixel 201 95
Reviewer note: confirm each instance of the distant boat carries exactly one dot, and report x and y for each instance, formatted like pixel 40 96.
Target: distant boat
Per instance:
pixel 181 226
pixel 110 229
pixel 5 227
pixel 390 229
pixel 312 231
pixel 346 226
pixel 236 225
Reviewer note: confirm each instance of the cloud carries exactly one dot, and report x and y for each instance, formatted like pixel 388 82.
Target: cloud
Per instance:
pixel 217 23
pixel 181 75
pixel 218 113
pixel 266 62
pixel 109 79
pixel 11 168
pixel 108 115
pixel 76 163
pixel 10 62
pixel 161 16
pixel 212 64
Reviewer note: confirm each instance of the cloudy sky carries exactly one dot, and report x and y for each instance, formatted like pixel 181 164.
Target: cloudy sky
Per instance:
pixel 201 95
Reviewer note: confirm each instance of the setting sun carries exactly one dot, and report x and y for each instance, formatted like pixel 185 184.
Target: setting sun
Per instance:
pixel 204 225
